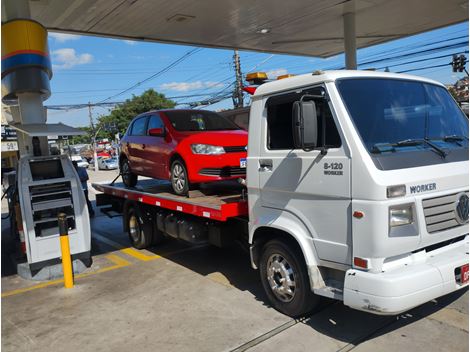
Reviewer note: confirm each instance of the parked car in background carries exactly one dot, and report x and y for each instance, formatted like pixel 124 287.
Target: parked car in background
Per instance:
pixel 186 147
pixel 103 154
pixel 108 163
pixel 81 162
pixel 239 116
pixel 87 152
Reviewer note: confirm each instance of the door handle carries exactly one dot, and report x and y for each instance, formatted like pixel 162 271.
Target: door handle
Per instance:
pixel 265 165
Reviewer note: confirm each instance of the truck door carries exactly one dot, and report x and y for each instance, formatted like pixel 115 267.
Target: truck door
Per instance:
pixel 313 187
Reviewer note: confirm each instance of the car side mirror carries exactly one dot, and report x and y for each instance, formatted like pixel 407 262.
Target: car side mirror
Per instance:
pixel 305 124
pixel 157 132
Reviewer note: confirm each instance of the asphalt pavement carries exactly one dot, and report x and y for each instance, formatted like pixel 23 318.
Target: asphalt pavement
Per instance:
pixel 175 297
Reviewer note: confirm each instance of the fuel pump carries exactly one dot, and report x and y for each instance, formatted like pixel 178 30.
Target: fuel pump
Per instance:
pixel 45 185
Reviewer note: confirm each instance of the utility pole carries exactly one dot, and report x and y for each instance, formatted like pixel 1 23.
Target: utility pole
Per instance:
pixel 238 91
pixel 90 116
pixel 93 134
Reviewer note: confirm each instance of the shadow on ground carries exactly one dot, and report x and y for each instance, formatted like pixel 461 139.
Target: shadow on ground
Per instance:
pixel 331 318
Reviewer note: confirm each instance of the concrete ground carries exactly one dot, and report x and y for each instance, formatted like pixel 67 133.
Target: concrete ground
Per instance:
pixel 180 298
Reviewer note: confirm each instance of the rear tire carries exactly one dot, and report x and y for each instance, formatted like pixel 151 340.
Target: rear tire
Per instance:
pixel 129 178
pixel 179 178
pixel 139 227
pixel 285 279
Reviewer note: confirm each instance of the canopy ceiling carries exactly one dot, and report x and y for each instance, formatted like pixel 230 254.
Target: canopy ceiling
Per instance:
pixel 297 27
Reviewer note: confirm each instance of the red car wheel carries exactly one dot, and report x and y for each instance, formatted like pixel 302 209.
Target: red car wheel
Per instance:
pixel 129 179
pixel 179 178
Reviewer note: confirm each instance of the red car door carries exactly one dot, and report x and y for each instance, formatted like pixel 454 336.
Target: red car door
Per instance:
pixel 155 148
pixel 135 144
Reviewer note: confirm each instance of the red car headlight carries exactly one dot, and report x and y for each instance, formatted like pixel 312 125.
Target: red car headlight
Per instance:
pixel 207 149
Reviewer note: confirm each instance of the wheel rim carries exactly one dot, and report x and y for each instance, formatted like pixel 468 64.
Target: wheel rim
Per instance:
pixel 134 229
pixel 178 178
pixel 125 172
pixel 281 278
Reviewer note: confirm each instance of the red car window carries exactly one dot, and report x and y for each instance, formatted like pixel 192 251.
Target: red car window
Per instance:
pixel 155 122
pixel 138 127
pixel 199 120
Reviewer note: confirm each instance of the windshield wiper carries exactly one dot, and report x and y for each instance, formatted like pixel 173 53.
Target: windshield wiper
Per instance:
pixel 454 138
pixel 389 147
pixel 411 142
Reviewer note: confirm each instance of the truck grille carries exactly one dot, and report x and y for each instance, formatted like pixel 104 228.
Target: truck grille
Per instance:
pixel 238 149
pixel 223 172
pixel 440 212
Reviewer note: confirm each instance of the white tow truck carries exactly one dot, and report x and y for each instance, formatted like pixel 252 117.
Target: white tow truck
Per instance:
pixel 356 189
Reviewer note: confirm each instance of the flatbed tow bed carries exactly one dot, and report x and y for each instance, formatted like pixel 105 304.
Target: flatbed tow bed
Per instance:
pixel 215 214
pixel 217 202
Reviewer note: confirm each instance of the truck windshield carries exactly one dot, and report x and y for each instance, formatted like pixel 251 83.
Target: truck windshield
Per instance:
pixel 395 115
pixel 187 120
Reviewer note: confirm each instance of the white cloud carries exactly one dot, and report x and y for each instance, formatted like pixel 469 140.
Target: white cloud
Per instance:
pixel 273 74
pixel 130 42
pixel 64 37
pixel 67 58
pixel 186 86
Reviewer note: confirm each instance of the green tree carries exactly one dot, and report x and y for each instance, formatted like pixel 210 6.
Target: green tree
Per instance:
pixel 122 114
pixel 453 92
pixel 84 139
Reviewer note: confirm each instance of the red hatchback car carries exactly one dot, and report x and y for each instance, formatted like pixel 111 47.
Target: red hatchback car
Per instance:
pixel 186 147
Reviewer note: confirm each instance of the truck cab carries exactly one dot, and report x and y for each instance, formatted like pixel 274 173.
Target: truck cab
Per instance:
pixel 357 190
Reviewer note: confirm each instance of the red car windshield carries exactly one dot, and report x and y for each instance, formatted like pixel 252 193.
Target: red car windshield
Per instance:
pixel 197 120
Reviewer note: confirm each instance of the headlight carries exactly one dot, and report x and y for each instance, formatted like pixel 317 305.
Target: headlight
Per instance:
pixel 396 191
pixel 207 149
pixel 401 215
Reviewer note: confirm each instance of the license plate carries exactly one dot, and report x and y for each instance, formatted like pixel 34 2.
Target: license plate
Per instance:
pixel 243 162
pixel 464 274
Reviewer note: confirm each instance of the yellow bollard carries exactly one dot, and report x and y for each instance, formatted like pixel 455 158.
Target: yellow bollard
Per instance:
pixel 65 249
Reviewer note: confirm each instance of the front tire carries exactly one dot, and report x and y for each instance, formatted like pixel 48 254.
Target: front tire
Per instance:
pixel 285 279
pixel 179 178
pixel 129 178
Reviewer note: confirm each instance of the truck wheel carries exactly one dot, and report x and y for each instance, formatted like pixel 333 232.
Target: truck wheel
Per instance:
pixel 129 178
pixel 139 228
pixel 285 279
pixel 179 178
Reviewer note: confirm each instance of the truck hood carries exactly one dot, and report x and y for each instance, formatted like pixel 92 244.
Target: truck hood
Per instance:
pixel 429 179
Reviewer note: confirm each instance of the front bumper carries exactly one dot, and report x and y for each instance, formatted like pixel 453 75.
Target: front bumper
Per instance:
pixel 208 168
pixel 409 285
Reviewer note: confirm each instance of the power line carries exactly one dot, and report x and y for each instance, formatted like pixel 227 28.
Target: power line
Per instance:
pixel 423 68
pixel 441 48
pixel 421 60
pixel 159 73
pixel 398 57
pixel 85 105
pixel 414 46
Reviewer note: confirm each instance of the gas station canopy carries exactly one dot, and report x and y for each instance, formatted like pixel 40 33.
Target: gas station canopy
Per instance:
pixel 301 27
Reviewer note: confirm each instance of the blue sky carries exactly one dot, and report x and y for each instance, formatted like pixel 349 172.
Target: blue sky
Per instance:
pixel 91 69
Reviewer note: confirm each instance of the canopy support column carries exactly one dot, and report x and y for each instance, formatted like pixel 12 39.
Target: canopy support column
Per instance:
pixel 350 48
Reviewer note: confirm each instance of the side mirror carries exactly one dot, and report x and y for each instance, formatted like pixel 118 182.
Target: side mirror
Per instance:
pixel 305 124
pixel 157 132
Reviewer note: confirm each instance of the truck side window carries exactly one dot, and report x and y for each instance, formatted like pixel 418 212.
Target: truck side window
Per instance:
pixel 279 109
pixel 138 127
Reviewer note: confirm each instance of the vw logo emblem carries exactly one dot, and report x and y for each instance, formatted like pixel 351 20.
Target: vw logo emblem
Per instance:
pixel 461 208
